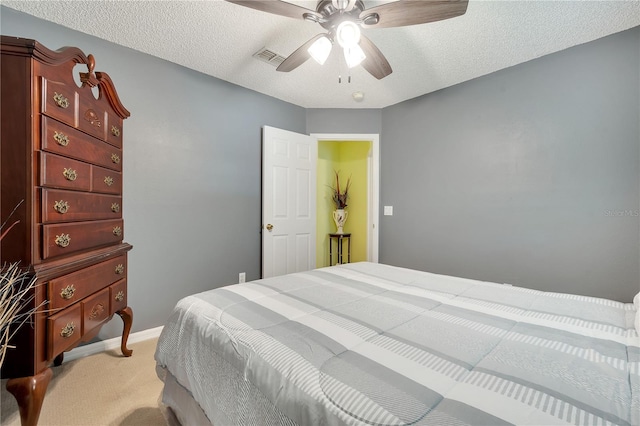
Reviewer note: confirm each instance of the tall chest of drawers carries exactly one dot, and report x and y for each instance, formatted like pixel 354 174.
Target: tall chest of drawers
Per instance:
pixel 61 175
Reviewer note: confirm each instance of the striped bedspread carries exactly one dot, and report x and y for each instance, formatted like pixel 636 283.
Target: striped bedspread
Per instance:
pixel 374 344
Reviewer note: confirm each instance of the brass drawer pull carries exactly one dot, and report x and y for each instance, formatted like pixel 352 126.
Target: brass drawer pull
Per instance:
pixel 115 131
pixel 60 100
pixel 68 292
pixel 120 269
pixel 61 138
pixel 117 231
pixel 70 174
pixel 96 311
pixel 115 207
pixel 63 240
pixel 108 180
pixel 68 330
pixel 61 206
pixel 115 158
pixel 119 296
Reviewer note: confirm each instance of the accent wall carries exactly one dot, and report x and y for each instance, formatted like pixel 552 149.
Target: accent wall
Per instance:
pixel 350 160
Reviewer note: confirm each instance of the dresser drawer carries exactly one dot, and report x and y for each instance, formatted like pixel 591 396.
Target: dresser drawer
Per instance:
pixel 118 295
pixel 68 289
pixel 72 206
pixel 66 238
pixel 114 132
pixel 95 310
pixel 64 330
pixel 61 139
pixel 95 120
pixel 60 101
pixel 61 172
pixel 92 119
pixel 107 181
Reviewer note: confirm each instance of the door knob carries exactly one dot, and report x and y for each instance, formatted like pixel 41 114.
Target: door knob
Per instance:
pixel 269 227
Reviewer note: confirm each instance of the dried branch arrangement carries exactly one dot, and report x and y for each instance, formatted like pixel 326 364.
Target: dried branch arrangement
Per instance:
pixel 15 289
pixel 339 196
pixel 15 295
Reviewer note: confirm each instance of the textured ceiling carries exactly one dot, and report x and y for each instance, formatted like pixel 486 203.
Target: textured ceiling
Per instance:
pixel 219 38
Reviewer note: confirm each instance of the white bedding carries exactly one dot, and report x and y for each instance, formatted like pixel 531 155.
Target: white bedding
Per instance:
pixel 367 343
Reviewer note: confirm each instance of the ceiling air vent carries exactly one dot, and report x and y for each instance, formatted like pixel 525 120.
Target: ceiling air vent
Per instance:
pixel 268 56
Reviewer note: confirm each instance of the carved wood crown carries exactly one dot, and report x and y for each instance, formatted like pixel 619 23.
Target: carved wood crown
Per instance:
pixel 27 47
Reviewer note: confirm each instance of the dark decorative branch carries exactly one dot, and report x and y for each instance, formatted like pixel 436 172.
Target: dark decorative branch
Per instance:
pixel 340 197
pixel 16 294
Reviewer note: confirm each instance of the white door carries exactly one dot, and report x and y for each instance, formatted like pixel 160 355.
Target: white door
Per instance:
pixel 288 202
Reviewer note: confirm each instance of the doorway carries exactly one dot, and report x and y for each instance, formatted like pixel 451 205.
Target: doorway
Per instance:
pixel 354 156
pixel 289 195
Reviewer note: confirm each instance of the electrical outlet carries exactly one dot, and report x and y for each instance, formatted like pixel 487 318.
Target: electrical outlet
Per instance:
pixel 242 277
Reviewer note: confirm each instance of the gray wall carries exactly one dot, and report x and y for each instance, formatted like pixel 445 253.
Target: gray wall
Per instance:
pixel 363 121
pixel 192 170
pixel 528 176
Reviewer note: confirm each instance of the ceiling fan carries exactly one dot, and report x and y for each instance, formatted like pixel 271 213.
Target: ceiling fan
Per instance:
pixel 342 19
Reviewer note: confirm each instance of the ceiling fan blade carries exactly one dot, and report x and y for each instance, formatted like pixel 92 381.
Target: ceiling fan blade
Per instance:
pixel 375 62
pixel 298 57
pixel 412 12
pixel 277 7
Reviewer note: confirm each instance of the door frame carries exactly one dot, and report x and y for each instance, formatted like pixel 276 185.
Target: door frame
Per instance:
pixel 373 171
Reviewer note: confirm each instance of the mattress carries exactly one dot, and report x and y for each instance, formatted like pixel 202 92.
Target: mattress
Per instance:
pixel 372 344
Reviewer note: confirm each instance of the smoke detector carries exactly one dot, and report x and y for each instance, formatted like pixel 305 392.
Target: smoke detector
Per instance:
pixel 358 96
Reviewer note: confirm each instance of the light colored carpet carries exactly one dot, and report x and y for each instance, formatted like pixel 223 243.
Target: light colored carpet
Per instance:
pixel 101 389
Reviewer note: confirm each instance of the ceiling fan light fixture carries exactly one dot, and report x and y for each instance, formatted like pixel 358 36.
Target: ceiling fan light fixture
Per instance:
pixel 344 5
pixel 348 34
pixel 343 18
pixel 320 49
pixel 354 56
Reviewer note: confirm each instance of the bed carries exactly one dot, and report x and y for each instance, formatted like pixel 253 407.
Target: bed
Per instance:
pixel 372 344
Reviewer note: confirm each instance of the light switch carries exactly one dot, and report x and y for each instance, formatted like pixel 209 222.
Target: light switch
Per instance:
pixel 388 210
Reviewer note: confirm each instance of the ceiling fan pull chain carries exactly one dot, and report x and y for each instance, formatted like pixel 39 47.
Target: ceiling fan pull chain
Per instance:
pixel 340 78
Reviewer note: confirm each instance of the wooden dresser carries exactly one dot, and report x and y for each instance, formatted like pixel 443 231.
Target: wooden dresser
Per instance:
pixel 61 164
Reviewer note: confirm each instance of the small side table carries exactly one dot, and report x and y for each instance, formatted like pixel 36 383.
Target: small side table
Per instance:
pixel 339 240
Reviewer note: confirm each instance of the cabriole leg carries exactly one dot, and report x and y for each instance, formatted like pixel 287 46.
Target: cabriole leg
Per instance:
pixel 127 317
pixel 29 392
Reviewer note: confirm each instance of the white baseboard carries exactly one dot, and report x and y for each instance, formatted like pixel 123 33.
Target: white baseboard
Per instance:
pixel 105 345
